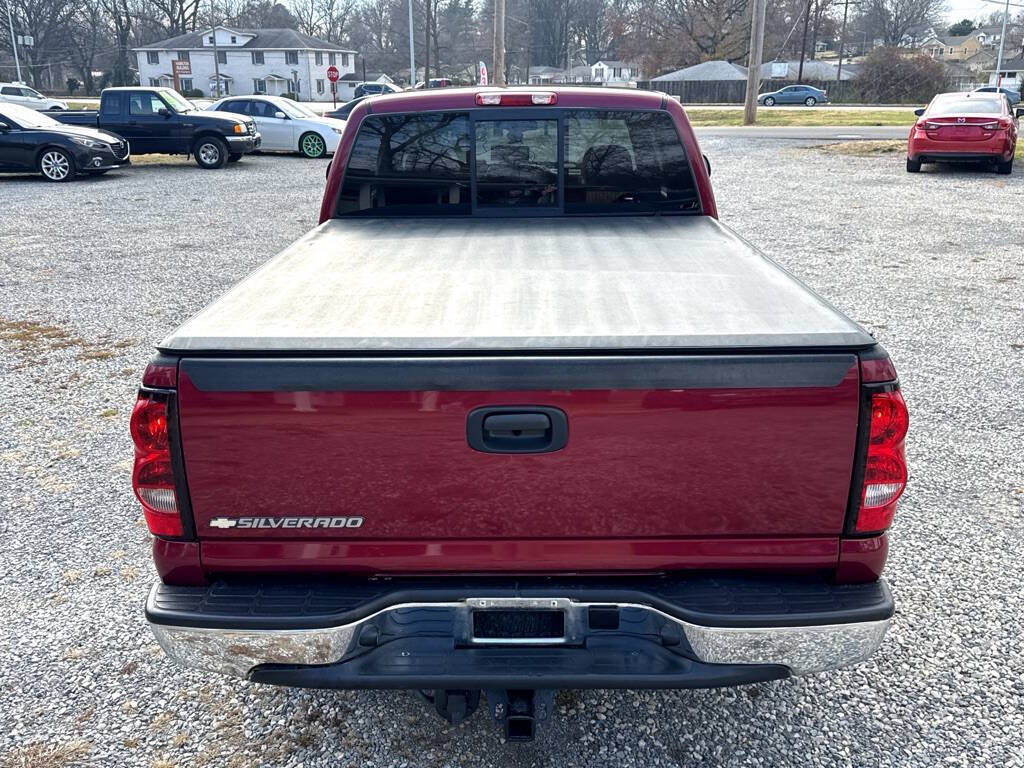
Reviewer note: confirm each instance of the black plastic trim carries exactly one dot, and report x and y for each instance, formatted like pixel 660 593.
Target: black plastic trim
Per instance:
pixel 432 662
pixel 556 437
pixel 860 458
pixel 263 374
pixel 713 601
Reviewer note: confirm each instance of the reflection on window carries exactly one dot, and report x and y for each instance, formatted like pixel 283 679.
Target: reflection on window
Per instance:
pixel 625 162
pixel 414 164
pixel 517 163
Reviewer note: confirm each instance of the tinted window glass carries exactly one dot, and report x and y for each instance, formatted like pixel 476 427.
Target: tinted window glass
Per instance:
pixel 145 104
pixel 517 163
pixel 626 162
pixel 238 107
pixel 961 105
pixel 259 108
pixel 412 164
pixel 111 104
pixel 8 90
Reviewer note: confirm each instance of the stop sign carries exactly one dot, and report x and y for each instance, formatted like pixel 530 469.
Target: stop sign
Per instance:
pixel 332 74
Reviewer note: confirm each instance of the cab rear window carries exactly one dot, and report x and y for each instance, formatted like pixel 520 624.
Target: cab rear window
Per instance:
pixel 543 162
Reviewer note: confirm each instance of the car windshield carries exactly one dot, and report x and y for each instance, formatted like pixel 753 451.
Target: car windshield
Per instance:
pixel 178 102
pixel 958 106
pixel 293 109
pixel 27 118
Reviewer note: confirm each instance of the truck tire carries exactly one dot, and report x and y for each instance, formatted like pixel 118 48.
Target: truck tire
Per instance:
pixel 913 166
pixel 312 145
pixel 56 165
pixel 1005 168
pixel 210 152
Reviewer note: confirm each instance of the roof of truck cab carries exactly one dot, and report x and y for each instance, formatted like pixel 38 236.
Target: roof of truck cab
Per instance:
pixel 465 98
pixel 527 284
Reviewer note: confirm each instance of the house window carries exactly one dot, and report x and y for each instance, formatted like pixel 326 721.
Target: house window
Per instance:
pixel 183 56
pixel 617 72
pixel 152 57
pixel 222 57
pixel 210 39
pixel 319 86
pixel 154 82
pixel 257 57
pixel 259 86
pixel 332 59
pixel 186 83
pixel 291 57
pixel 319 58
pixel 344 59
pixel 233 41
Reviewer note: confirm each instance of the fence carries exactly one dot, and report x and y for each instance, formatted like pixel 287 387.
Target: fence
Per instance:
pixel 733 91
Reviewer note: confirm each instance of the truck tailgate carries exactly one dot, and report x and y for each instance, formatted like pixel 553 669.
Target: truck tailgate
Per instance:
pixel 687 447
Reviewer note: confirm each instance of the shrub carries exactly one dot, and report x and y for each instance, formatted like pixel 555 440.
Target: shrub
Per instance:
pixel 292 96
pixel 192 93
pixel 886 77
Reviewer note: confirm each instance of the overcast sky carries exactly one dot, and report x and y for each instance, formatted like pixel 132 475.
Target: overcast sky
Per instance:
pixel 972 9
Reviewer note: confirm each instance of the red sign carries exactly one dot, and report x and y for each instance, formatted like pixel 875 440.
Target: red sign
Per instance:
pixel 332 74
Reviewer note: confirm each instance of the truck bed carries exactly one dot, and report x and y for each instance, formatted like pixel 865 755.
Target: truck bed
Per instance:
pixel 462 284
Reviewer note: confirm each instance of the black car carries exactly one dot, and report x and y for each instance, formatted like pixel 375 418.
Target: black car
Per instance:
pixel 342 112
pixel 374 89
pixel 32 141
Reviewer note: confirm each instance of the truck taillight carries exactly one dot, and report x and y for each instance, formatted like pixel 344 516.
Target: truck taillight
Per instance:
pixel 507 99
pixel 885 474
pixel 153 475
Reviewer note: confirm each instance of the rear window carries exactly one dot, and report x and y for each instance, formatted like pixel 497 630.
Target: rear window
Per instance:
pixel 492 163
pixel 959 106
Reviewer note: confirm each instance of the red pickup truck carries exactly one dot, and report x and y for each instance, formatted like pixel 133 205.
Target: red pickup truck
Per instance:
pixel 520 414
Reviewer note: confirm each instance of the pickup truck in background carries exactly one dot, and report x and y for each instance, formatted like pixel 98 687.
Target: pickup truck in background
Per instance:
pixel 162 121
pixel 520 414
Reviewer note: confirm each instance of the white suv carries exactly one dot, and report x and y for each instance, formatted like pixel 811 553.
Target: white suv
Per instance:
pixel 16 93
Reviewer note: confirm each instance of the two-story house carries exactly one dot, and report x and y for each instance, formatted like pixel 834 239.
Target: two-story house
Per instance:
pixel 271 61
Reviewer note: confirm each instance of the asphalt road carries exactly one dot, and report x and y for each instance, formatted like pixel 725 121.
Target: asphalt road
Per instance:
pixel 94 273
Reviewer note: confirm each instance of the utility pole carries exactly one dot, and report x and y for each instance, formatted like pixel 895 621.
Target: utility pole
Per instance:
pixel 842 44
pixel 999 58
pixel 499 42
pixel 412 52
pixel 216 56
pixel 803 43
pixel 17 64
pixel 754 62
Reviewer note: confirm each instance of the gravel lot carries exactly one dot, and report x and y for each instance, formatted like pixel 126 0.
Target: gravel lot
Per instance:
pixel 92 274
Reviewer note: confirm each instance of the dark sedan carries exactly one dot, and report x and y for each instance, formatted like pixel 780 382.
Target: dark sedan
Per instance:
pixel 33 141
pixel 342 112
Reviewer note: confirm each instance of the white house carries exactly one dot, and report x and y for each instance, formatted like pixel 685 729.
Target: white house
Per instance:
pixel 272 61
pixel 1011 75
pixel 613 73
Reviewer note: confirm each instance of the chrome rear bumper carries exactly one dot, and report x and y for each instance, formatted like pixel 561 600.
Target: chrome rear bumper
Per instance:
pixel 799 649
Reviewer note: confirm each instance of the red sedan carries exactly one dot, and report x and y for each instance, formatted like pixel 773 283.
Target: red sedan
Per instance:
pixel 964 127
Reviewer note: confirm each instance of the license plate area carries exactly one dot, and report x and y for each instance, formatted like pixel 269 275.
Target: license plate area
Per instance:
pixel 520 621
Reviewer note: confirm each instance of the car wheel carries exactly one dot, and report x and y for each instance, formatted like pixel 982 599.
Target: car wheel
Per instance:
pixel 769 101
pixel 913 166
pixel 312 145
pixel 234 157
pixel 210 152
pixel 1005 168
pixel 810 101
pixel 57 165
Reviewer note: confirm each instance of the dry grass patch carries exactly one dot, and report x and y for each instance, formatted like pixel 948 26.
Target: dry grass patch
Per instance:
pixel 773 116
pixel 46 755
pixel 864 148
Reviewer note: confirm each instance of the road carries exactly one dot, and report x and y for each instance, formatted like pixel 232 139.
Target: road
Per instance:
pixel 806 132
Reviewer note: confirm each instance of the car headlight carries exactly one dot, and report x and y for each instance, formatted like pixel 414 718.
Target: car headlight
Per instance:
pixel 91 143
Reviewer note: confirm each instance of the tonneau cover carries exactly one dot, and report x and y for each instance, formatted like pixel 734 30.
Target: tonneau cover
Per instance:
pixel 418 285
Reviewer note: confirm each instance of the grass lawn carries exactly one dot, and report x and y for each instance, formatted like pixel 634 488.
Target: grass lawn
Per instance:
pixel 804 116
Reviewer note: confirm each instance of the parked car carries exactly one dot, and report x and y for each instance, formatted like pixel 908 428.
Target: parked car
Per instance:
pixel 520 414
pixel 375 89
pixel 286 125
pixel 794 94
pixel 1012 96
pixel 21 94
pixel 342 112
pixel 435 82
pixel 965 127
pixel 160 120
pixel 32 141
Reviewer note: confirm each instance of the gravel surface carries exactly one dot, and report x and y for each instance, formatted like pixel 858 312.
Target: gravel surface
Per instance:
pixel 92 274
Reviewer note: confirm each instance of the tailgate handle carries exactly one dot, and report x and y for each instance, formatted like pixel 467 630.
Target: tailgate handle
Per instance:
pixel 505 429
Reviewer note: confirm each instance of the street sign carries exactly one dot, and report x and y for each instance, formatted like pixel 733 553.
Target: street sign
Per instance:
pixel 181 67
pixel 332 74
pixel 483 73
